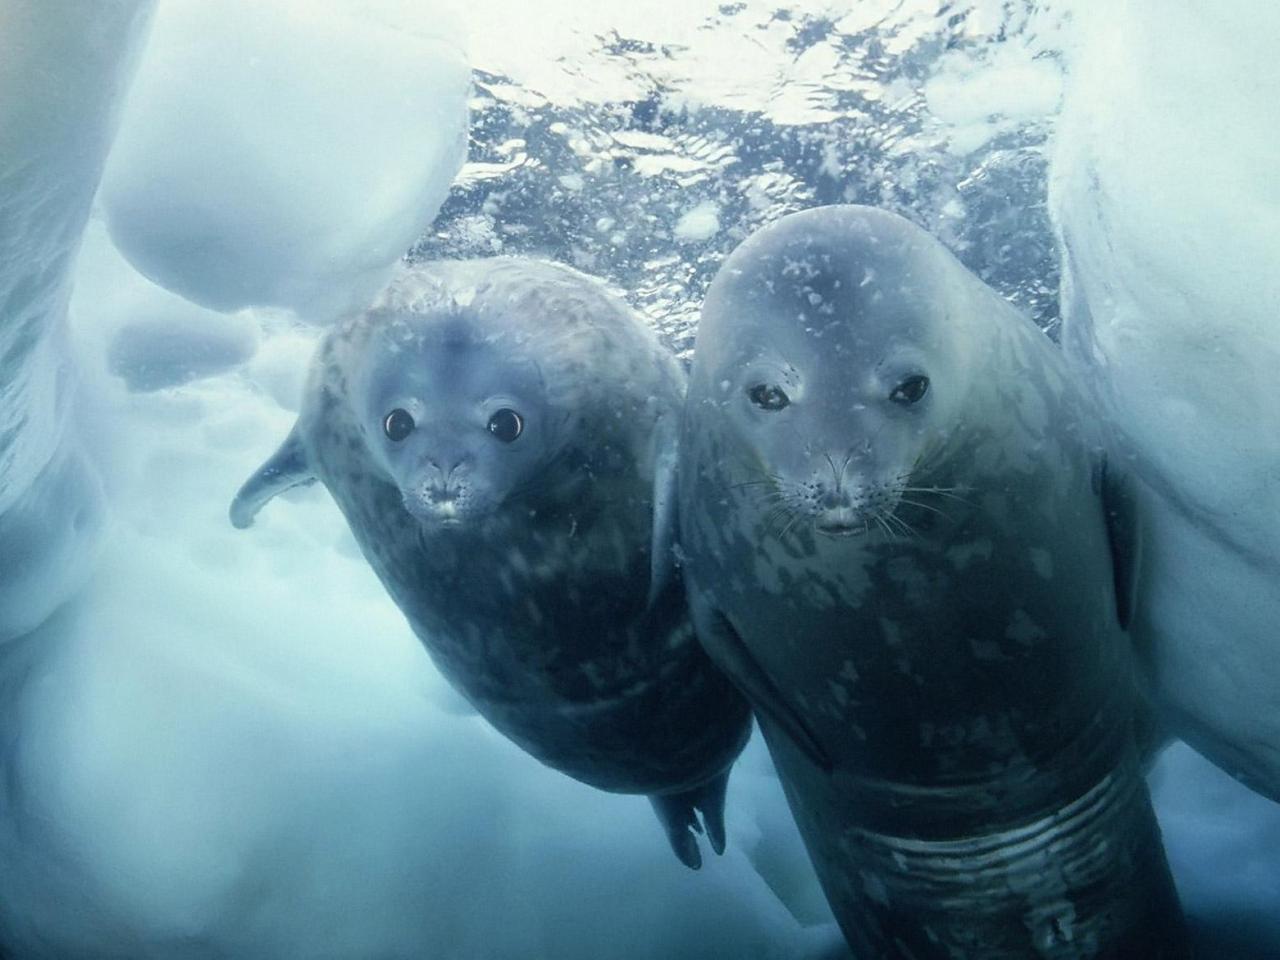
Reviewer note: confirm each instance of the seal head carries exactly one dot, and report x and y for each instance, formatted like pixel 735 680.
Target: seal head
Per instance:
pixel 834 417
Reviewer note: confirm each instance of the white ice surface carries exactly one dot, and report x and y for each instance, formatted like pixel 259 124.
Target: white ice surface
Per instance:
pixel 59 91
pixel 1165 192
pixel 287 153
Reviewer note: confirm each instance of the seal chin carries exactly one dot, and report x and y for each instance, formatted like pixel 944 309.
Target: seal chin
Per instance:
pixel 436 514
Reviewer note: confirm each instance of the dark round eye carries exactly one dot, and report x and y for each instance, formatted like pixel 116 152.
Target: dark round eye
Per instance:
pixel 506 425
pixel 768 396
pixel 398 424
pixel 910 390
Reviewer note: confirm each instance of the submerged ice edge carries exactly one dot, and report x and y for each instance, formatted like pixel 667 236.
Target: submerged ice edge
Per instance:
pixel 54 139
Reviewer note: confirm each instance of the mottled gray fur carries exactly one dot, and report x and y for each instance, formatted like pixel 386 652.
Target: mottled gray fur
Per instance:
pixel 902 542
pixel 536 572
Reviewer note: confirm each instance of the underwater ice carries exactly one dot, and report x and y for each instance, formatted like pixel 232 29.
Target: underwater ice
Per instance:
pixel 286 153
pixel 53 141
pixel 1168 206
pixel 231 745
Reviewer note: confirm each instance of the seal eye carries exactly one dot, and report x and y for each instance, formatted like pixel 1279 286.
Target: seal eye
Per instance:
pixel 506 425
pixel 398 424
pixel 910 390
pixel 768 396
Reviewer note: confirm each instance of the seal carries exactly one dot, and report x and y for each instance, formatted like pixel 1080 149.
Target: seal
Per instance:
pixel 500 436
pixel 903 543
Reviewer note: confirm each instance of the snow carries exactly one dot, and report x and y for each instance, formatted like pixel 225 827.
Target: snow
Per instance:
pixel 286 153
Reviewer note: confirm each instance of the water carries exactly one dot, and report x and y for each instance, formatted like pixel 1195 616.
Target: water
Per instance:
pixel 599 172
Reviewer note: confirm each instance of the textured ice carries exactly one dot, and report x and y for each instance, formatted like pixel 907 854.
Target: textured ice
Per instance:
pixel 53 142
pixel 286 153
pixel 147 336
pixel 1168 206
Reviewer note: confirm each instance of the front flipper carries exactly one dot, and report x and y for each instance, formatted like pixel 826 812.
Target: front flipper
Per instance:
pixel 288 467
pixel 728 651
pixel 679 815
pixel 1119 505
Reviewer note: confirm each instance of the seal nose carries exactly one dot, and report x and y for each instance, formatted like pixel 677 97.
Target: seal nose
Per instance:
pixel 439 492
pixel 832 498
pixel 440 486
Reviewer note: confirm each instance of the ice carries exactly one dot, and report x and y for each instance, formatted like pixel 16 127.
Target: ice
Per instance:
pixel 1164 191
pixel 53 141
pixel 233 745
pixel 287 153
pixel 698 223
pixel 144 334
pixel 1221 841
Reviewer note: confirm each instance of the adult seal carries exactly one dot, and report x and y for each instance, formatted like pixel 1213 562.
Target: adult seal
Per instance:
pixel 903 545
pixel 500 436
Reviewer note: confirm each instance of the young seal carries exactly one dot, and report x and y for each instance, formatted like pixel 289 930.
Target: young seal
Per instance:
pixel 500 435
pixel 902 544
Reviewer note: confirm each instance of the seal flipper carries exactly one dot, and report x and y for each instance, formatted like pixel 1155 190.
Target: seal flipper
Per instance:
pixel 1119 506
pixel 662 546
pixel 726 648
pixel 678 816
pixel 287 467
pixel 709 799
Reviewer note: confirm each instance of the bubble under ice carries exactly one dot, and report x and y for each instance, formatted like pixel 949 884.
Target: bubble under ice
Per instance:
pixel 200 760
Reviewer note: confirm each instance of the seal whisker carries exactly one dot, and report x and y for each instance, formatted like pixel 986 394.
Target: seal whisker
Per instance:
pixel 773 516
pixel 884 526
pixel 947 492
pixel 886 518
pixel 796 518
pixel 907 528
pixel 924 506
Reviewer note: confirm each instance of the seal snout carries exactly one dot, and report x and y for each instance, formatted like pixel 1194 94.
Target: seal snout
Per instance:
pixel 441 496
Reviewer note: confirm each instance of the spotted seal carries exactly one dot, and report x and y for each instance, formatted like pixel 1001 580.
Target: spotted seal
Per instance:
pixel 902 543
pixel 500 437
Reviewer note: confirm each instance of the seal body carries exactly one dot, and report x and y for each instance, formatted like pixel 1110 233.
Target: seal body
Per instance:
pixel 902 542
pixel 500 437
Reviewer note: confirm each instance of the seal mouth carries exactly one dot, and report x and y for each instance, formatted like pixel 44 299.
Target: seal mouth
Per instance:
pixel 840 528
pixel 840 521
